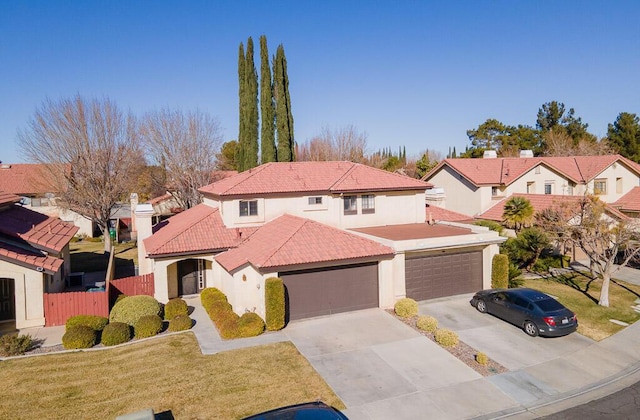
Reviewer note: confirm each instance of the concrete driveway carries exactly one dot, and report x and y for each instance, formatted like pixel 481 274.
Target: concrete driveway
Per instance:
pixel 501 341
pixel 382 369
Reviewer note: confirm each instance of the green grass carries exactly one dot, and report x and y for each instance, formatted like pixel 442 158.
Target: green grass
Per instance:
pixel 580 294
pixel 88 256
pixel 165 374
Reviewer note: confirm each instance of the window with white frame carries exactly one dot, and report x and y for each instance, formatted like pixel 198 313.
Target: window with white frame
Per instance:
pixel 315 201
pixel 618 185
pixel 548 187
pixel 531 187
pixel 350 204
pixel 248 208
pixel 570 189
pixel 368 204
pixel 600 186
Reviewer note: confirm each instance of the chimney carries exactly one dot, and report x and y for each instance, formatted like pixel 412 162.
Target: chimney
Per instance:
pixel 144 214
pixel 526 153
pixel 490 154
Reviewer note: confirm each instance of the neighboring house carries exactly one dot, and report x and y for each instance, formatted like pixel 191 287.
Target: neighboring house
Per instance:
pixel 629 203
pixel 30 182
pixel 472 186
pixel 34 259
pixel 342 236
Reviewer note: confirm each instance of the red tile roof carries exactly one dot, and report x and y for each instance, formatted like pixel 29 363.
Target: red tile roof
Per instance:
pixel 8 198
pixel 630 201
pixel 439 214
pixel 198 229
pixel 311 177
pixel 39 230
pixel 539 203
pixel 30 258
pixel 291 240
pixel 25 179
pixel 413 231
pixel 504 171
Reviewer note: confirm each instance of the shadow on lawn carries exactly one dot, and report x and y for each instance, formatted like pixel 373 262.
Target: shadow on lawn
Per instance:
pixel 91 261
pixel 569 279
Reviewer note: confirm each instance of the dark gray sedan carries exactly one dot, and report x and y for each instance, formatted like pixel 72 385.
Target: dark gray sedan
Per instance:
pixel 533 311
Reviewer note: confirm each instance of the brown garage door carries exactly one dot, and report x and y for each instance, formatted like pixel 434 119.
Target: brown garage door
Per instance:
pixel 329 291
pixel 430 277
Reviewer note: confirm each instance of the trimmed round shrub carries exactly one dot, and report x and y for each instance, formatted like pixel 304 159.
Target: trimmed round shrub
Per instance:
pixel 130 309
pixel 14 344
pixel 79 337
pixel 274 303
pixel 94 321
pixel 427 323
pixel 217 310
pixel 228 325
pixel 482 359
pixel 250 325
pixel 180 323
pixel 175 307
pixel 116 333
pixel 406 308
pixel 147 326
pixel 446 338
pixel 211 294
pixel 120 297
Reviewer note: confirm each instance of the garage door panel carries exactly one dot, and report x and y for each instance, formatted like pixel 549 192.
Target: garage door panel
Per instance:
pixel 430 277
pixel 328 291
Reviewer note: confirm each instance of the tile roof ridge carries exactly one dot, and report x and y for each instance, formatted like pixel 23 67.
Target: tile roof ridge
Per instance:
pixel 289 237
pixel 250 173
pixel 192 222
pixel 345 175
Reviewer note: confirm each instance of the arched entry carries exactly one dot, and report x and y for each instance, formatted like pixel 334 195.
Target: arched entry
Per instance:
pixel 190 276
pixel 7 299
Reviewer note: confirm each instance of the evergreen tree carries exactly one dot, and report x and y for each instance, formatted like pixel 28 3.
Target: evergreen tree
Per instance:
pixel 624 135
pixel 250 151
pixel 267 135
pixel 284 117
pixel 239 151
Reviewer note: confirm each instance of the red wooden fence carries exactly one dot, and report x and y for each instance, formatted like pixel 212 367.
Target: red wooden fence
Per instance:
pixel 58 307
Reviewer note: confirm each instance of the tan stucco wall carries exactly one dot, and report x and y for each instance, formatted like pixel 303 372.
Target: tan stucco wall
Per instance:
pixel 461 196
pixel 29 291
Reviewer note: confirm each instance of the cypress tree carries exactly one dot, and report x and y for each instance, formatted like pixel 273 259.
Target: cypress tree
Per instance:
pixel 251 117
pixel 241 111
pixel 284 117
pixel 267 134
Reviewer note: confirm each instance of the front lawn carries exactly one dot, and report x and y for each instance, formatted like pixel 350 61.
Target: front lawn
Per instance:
pixel 165 374
pixel 581 295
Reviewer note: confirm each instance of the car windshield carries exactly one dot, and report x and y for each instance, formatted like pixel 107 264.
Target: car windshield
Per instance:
pixel 549 305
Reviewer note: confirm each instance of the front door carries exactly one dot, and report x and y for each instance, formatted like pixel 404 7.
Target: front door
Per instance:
pixel 7 300
pixel 187 277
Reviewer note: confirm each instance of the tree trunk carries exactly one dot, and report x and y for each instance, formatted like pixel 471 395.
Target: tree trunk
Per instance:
pixel 604 293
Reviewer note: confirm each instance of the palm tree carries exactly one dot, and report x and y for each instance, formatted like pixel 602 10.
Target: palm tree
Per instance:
pixel 518 212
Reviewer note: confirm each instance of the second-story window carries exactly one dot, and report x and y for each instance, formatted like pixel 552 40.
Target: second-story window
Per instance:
pixel 315 201
pixel 350 204
pixel 548 187
pixel 368 204
pixel 248 208
pixel 600 186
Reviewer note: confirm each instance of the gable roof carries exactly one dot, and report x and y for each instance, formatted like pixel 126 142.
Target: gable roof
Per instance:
pixel 440 214
pixel 29 258
pixel 198 229
pixel 630 201
pixel 291 240
pixel 540 202
pixel 25 179
pixel 311 177
pixel 8 198
pixel 504 171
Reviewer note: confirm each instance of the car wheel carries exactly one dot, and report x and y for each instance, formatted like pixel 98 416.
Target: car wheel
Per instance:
pixel 531 329
pixel 481 306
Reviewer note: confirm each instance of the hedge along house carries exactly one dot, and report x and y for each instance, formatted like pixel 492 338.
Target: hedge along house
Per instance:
pixel 342 236
pixel 34 259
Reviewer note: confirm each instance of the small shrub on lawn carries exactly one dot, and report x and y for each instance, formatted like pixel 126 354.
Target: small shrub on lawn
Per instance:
pixel 274 303
pixel 147 326
pixel 250 325
pixel 94 321
pixel 446 338
pixel 211 294
pixel 180 323
pixel 174 308
pixel 406 308
pixel 482 359
pixel 427 323
pixel 132 308
pixel 116 333
pixel 14 344
pixel 79 337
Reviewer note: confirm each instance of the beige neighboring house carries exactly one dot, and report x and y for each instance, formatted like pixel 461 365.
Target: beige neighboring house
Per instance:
pixel 29 181
pixel 472 186
pixel 34 259
pixel 342 236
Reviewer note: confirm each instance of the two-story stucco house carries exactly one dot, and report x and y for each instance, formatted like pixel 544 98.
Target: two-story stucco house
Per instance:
pixel 34 259
pixel 342 236
pixel 472 186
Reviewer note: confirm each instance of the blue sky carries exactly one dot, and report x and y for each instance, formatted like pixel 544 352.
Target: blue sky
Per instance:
pixel 408 73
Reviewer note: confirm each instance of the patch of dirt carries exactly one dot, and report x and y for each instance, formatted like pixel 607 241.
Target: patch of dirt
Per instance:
pixel 462 351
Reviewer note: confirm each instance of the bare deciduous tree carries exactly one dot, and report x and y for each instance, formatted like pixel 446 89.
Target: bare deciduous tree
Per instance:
pixel 185 145
pixel 91 152
pixel 345 143
pixel 559 143
pixel 602 237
